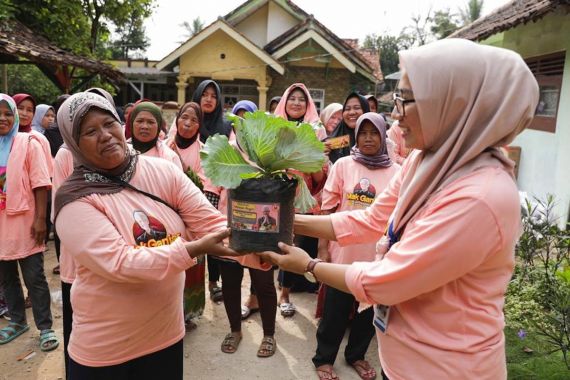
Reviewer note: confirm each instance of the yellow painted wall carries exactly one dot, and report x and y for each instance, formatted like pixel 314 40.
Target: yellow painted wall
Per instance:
pixel 204 60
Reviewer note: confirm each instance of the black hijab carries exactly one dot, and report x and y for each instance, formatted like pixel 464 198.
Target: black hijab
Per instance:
pixel 343 129
pixel 212 123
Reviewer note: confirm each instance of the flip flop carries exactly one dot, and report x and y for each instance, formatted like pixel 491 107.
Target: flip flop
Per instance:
pixel 12 331
pixel 287 309
pixel 364 370
pixel 326 372
pixel 246 311
pixel 48 340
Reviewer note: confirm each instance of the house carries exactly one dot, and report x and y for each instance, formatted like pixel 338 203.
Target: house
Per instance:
pixel 255 52
pixel 539 30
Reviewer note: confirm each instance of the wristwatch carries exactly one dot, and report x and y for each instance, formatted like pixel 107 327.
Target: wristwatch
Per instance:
pixel 310 270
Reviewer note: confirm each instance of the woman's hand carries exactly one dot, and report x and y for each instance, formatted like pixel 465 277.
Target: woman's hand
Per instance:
pixel 293 259
pixel 39 231
pixel 211 244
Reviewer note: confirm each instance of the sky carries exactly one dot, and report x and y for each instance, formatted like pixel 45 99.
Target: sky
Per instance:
pixel 347 19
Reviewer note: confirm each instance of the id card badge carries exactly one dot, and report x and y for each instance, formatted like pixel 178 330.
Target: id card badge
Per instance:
pixel 381 316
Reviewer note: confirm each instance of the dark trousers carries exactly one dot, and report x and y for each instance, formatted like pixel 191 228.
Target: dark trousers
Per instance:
pixel 67 312
pixel 213 268
pixel 163 364
pixel 295 281
pixel 32 268
pixel 232 275
pixel 336 312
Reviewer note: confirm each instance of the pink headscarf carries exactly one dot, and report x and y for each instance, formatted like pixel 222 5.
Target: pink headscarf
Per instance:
pixel 311 116
pixel 19 98
pixel 468 108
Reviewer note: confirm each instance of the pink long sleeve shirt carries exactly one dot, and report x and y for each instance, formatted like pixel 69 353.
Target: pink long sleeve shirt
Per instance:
pixel 445 279
pixel 352 186
pixel 130 257
pixel 26 170
pixel 63 167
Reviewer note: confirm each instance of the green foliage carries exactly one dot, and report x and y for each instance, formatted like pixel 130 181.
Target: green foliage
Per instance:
pixel 274 146
pixel 388 47
pixel 538 296
pixel 29 79
pixel 191 174
pixel 444 23
pixel 471 11
pixel 223 164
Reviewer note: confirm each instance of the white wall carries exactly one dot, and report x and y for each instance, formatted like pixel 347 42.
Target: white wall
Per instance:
pixel 545 157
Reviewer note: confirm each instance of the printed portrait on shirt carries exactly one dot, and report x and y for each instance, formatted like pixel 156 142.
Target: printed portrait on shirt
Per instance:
pixel 2 183
pixel 147 228
pixel 363 194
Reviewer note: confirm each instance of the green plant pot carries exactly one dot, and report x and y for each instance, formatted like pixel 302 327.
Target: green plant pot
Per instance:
pixel 261 212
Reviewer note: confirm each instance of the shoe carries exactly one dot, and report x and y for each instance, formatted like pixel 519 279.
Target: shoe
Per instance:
pixel 246 311
pixel 287 309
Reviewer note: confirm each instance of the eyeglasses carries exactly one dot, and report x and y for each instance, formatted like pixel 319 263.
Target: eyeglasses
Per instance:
pixel 399 103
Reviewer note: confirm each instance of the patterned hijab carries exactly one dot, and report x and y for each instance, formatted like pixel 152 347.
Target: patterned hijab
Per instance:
pixel 87 179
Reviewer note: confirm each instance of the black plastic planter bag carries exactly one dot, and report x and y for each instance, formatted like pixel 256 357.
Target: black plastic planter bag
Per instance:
pixel 261 212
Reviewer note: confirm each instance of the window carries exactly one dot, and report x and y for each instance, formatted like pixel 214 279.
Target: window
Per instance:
pixel 318 96
pixel 548 70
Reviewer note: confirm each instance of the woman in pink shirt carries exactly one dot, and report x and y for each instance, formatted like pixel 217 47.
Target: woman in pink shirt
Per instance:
pixel 400 151
pixel 297 105
pixel 353 184
pixel 145 123
pixel 24 184
pixel 133 225
pixel 447 224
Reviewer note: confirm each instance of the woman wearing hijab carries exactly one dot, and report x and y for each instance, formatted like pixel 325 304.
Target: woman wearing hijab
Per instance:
pixel 209 97
pixel 273 103
pixel 400 150
pixel 133 225
pixel 353 184
pixel 372 103
pixel 144 123
pixel 43 118
pixel 330 116
pixel 297 105
pixel 24 184
pixel 354 106
pixel 441 282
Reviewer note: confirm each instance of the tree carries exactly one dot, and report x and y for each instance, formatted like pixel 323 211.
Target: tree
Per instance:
pixel 472 11
pixel 418 30
pixel 192 29
pixel 443 23
pixel 131 37
pixel 387 47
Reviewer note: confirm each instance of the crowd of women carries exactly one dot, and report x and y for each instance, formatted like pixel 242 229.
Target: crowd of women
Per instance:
pixel 135 219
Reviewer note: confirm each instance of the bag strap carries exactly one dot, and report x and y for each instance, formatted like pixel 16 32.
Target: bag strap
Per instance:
pixel 151 196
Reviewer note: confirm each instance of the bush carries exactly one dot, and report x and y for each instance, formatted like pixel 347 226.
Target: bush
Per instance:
pixel 538 296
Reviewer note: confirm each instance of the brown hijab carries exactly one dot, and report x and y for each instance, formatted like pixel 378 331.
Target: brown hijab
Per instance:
pixel 87 179
pixel 469 105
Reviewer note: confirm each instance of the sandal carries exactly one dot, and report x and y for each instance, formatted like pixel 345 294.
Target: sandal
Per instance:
pixel 246 311
pixel 267 347
pixel 12 331
pixel 28 302
pixel 48 340
pixel 287 309
pixel 56 270
pixel 216 294
pixel 364 370
pixel 231 343
pixel 326 372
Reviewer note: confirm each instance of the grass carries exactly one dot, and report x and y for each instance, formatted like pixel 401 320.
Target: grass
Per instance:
pixel 538 365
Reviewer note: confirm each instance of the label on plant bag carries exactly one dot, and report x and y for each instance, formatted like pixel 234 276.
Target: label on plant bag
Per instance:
pixel 258 217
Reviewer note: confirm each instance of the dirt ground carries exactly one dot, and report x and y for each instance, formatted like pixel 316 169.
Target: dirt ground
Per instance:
pixel 203 359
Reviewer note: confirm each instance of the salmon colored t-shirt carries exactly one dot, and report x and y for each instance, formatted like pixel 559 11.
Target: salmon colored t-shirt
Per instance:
pixel 162 151
pixel 445 279
pixel 353 186
pixel 63 167
pixel 130 257
pixel 190 158
pixel 46 149
pixel 16 241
